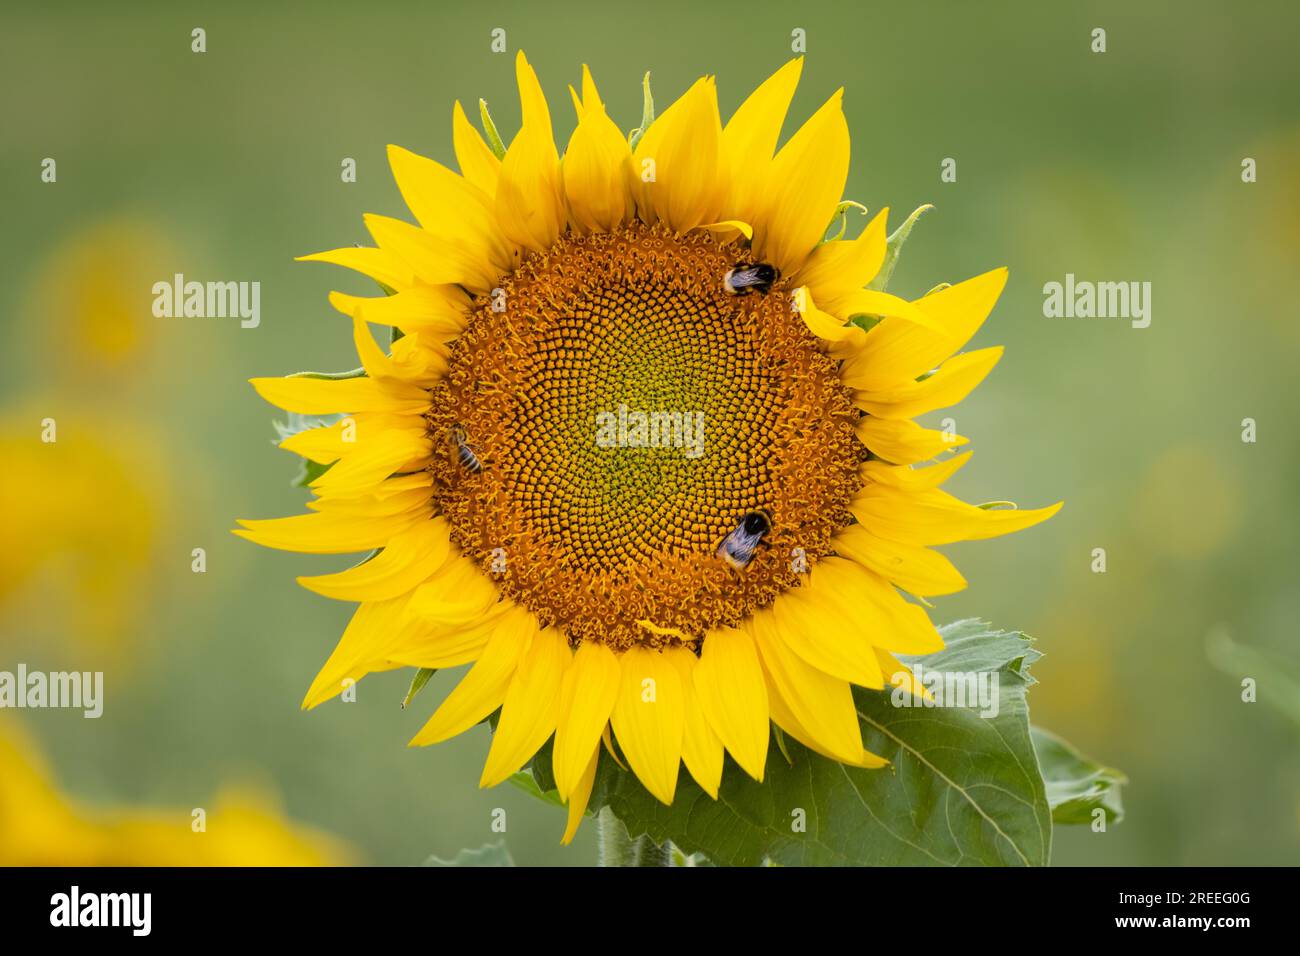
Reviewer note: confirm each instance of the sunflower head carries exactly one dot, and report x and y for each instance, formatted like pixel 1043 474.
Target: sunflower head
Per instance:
pixel 642 448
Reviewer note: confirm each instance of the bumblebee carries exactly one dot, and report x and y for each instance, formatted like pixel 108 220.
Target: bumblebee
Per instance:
pixel 739 546
pixel 745 278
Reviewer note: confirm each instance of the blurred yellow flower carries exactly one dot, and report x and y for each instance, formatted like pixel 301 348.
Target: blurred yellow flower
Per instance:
pixel 1188 503
pixel 92 297
pixel 39 826
pixel 88 509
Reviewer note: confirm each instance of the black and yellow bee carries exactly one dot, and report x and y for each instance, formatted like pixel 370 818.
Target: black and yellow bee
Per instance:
pixel 739 546
pixel 461 452
pixel 745 278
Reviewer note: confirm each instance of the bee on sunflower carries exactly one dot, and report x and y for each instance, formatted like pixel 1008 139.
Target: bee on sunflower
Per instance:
pixel 685 602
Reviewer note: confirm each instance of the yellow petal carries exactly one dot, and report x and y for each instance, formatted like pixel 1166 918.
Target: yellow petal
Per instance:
pixel 822 704
pixel 825 636
pixel 750 136
pixel 900 675
pixel 531 706
pixel 324 444
pixel 321 396
pixel 701 747
pixel 837 269
pixel 435 259
pixel 597 169
pixel 325 533
pixel 827 327
pixel 899 350
pixel 785 719
pixel 873 612
pixel 358 649
pixel 733 696
pixel 418 642
pixel 730 229
pixel 476 161
pixel 914 568
pixel 954 380
pixel 904 442
pixel 370 461
pixel 936 517
pixel 649 719
pixel 586 701
pixel 804 185
pixel 679 173
pixel 440 310
pixel 421 358
pixel 380 264
pixel 484 687
pixel 579 797
pixel 911 478
pixel 529 200
pixel 884 305
pixel 405 562
pixel 457 594
pixel 449 206
pixel 606 738
pixel 393 496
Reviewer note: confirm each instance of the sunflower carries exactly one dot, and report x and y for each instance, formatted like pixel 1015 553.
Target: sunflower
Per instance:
pixel 682 600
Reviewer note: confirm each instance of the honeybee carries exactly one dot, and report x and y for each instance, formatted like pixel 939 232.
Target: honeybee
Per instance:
pixel 461 452
pixel 739 546
pixel 745 278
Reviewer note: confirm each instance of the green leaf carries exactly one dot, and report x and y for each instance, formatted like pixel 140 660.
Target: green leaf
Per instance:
pixel 960 788
pixel 1077 785
pixel 893 246
pixel 490 854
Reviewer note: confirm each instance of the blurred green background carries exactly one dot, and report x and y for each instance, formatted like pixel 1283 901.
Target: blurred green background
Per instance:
pixel 225 165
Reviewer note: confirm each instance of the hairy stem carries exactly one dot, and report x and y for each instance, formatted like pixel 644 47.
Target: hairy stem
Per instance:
pixel 618 848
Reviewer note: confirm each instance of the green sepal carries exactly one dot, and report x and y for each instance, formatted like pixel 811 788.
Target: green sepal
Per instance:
pixel 417 683
pixel 842 213
pixel 309 471
pixel 779 736
pixel 647 112
pixel 490 130
pixel 525 781
pixel 893 245
pixel 331 376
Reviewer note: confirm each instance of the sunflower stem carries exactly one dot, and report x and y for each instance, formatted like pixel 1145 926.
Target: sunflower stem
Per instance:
pixel 619 848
